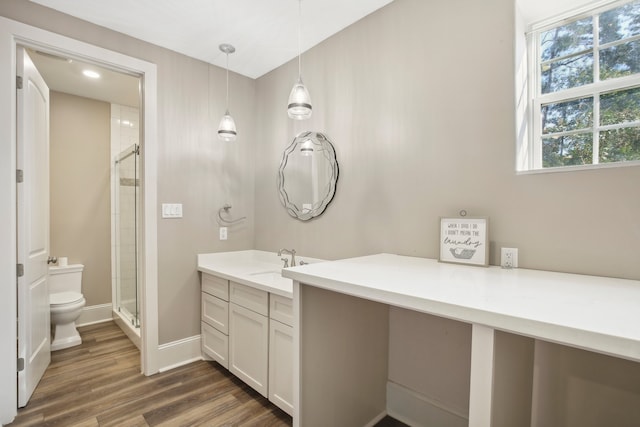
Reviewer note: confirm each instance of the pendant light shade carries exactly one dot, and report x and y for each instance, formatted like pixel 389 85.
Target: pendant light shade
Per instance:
pixel 227 127
pixel 299 102
pixel 299 107
pixel 306 149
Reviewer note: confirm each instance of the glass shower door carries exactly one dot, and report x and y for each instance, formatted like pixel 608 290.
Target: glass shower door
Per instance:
pixel 126 217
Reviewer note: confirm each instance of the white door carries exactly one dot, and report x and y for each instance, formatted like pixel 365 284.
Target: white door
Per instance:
pixel 34 339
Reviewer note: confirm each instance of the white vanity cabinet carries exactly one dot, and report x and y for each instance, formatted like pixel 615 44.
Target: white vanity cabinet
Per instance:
pixel 215 318
pixel 281 352
pixel 247 320
pixel 249 336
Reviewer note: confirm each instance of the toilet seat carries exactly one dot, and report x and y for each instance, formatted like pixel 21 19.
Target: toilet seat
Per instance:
pixel 63 298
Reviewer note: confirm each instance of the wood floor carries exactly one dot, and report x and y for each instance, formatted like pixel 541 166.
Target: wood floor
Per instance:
pixel 99 384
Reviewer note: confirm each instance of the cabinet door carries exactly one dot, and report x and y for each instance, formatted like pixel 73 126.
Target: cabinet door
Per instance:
pixel 249 347
pixel 281 366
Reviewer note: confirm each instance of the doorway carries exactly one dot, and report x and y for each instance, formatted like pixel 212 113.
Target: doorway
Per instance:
pixel 84 132
pixel 95 135
pixel 12 34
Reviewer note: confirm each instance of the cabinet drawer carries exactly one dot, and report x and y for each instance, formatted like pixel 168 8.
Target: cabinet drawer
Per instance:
pixel 281 309
pixel 251 298
pixel 215 312
pixel 215 286
pixel 215 344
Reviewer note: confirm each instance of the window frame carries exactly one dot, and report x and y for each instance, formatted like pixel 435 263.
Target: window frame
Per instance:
pixel 595 89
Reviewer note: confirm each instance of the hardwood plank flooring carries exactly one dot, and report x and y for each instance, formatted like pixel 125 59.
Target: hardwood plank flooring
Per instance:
pixel 99 383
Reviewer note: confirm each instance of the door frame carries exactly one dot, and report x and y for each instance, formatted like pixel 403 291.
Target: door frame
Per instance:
pixel 13 33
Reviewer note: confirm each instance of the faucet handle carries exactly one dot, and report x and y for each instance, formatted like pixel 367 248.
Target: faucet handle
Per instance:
pixel 286 262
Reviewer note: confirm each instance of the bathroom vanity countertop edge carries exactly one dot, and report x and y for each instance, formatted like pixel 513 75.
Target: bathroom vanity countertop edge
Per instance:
pixel 249 281
pixel 245 267
pixel 594 313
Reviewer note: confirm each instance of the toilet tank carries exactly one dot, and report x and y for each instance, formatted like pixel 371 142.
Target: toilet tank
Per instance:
pixel 65 279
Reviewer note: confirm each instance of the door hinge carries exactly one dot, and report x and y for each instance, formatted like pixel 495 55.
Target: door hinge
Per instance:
pixel 19 175
pixel 19 82
pixel 20 364
pixel 20 270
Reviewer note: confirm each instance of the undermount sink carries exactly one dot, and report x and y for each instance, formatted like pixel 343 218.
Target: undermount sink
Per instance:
pixel 252 268
pixel 272 274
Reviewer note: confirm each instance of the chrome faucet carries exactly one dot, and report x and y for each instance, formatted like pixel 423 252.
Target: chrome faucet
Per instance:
pixel 291 252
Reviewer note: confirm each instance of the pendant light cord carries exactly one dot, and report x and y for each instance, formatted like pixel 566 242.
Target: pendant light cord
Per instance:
pixel 299 38
pixel 227 81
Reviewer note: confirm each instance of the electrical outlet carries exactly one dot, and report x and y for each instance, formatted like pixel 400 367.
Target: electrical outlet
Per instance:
pixel 509 257
pixel 223 233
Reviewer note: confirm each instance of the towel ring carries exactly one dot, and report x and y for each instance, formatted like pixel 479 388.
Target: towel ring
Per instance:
pixel 226 208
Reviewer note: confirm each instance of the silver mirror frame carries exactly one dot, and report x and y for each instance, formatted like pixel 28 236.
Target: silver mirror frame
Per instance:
pixel 293 207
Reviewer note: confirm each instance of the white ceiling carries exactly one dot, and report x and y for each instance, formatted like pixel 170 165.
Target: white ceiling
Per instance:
pixel 264 32
pixel 65 75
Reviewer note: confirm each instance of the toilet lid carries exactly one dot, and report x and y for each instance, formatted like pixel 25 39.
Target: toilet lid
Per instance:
pixel 64 297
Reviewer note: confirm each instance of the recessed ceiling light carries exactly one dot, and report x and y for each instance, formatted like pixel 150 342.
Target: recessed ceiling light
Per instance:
pixel 91 74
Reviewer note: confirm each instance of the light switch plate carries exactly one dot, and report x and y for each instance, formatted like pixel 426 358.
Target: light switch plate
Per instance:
pixel 172 210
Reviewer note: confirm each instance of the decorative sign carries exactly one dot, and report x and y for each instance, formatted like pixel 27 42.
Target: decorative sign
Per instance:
pixel 464 240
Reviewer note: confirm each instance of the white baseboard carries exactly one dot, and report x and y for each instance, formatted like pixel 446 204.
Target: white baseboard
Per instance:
pixel 417 410
pixel 376 420
pixel 170 355
pixel 178 353
pixel 94 314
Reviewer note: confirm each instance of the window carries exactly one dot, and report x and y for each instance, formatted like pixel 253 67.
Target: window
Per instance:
pixel 585 81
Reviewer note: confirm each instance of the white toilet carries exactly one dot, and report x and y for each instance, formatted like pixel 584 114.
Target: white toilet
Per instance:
pixel 66 302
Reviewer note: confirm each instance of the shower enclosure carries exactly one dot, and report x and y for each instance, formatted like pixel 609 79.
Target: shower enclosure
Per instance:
pixel 126 304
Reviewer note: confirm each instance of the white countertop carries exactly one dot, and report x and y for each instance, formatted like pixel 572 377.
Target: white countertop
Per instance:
pixel 258 269
pixel 595 313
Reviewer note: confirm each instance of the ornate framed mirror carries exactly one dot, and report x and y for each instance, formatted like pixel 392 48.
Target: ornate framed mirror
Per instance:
pixel 308 175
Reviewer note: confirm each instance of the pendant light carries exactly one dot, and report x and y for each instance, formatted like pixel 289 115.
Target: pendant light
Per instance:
pixel 299 100
pixel 227 128
pixel 306 148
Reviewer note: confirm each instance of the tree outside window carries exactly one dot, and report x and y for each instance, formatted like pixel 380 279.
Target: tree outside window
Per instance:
pixel 587 103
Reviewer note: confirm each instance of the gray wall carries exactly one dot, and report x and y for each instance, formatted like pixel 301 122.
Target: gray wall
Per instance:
pixel 80 190
pixel 194 168
pixel 422 119
pixel 418 99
